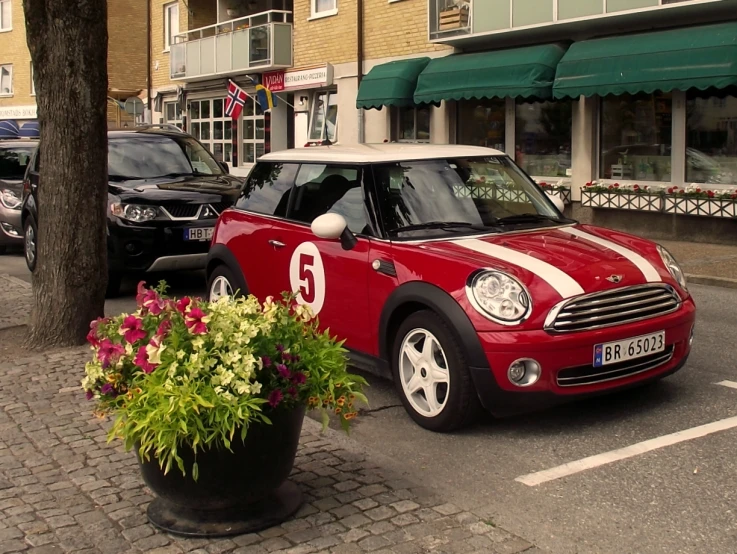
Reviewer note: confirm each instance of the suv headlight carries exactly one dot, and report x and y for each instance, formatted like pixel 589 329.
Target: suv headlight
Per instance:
pixel 673 267
pixel 9 199
pixel 134 212
pixel 499 297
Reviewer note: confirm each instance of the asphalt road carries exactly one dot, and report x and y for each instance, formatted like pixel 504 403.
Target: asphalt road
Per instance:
pixel 677 498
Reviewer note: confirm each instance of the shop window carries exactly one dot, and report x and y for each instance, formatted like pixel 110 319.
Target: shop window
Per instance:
pixel 322 8
pixel 171 24
pixel 412 124
pixel 173 114
pixel 324 116
pixel 254 131
pixel 6 79
pixel 543 138
pixel 210 125
pixel 636 137
pixel 711 140
pixel 482 123
pixel 6 18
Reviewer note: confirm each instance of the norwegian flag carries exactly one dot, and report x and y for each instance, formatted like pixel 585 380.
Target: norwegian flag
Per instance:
pixel 236 99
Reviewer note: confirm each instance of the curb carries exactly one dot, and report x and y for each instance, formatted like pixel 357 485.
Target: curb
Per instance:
pixel 16 281
pixel 723 282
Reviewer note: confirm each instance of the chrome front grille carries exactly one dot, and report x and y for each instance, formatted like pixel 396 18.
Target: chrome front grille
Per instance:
pixel 612 307
pixel 588 375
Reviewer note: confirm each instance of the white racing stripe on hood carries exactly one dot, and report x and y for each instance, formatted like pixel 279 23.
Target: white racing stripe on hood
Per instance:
pixel 560 281
pixel 647 269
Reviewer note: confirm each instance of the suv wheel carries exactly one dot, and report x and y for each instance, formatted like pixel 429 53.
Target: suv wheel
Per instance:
pixel 431 374
pixel 30 243
pixel 222 283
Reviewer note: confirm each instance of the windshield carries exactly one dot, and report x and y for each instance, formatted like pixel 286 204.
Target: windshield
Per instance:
pixel 439 197
pixel 151 156
pixel 14 160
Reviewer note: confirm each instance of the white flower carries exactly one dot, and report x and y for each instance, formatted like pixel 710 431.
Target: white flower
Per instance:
pixel 256 387
pixel 198 343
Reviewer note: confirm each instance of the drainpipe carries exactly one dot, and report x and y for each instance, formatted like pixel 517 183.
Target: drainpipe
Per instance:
pixel 149 77
pixel 359 65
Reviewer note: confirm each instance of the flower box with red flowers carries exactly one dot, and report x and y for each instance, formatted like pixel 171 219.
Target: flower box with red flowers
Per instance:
pixel 621 197
pixel 695 200
pixel 217 391
pixel 561 191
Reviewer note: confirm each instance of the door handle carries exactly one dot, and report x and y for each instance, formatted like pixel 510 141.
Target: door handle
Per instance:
pixel 276 243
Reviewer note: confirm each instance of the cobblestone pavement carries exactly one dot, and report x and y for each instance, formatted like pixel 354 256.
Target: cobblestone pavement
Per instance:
pixel 63 488
pixel 15 299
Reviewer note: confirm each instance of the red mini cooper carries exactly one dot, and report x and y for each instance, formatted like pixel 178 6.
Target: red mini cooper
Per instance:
pixel 449 269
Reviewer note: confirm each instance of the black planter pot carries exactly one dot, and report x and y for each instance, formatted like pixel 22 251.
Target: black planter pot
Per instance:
pixel 239 491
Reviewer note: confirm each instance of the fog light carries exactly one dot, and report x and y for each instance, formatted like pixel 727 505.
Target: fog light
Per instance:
pixel 524 372
pixel 10 230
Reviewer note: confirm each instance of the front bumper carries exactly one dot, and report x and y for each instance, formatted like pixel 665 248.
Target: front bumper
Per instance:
pixel 155 247
pixel 555 353
pixel 11 230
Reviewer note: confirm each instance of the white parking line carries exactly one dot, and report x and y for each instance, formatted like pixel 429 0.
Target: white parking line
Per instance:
pixel 571 468
pixel 730 384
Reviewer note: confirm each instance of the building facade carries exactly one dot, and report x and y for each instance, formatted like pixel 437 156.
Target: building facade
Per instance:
pixel 127 67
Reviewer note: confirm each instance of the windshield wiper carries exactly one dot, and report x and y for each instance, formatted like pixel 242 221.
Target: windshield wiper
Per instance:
pixel 176 174
pixel 123 178
pixel 527 218
pixel 442 225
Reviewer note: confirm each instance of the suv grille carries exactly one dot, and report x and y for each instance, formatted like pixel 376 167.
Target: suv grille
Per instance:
pixel 613 307
pixel 220 207
pixel 183 210
pixel 588 374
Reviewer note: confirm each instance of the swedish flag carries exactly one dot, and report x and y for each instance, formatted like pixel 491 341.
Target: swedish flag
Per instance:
pixel 266 99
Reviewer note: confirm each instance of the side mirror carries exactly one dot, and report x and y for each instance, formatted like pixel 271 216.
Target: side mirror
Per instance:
pixel 224 166
pixel 332 227
pixel 557 201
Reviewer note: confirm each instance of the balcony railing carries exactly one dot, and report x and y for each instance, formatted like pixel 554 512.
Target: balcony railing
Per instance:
pixel 255 43
pixel 450 18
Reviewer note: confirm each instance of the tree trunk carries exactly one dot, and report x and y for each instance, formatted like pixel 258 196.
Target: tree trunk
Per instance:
pixel 68 41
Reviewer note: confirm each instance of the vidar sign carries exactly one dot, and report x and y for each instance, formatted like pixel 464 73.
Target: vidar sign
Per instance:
pixel 307 276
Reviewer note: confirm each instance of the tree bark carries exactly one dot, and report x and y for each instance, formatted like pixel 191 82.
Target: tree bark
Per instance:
pixel 68 40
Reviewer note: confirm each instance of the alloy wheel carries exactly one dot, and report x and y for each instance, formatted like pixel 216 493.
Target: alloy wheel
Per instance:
pixel 30 245
pixel 219 288
pixel 423 372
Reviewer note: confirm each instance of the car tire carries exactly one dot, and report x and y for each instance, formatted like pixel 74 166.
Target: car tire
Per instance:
pixel 30 244
pixel 114 280
pixel 456 404
pixel 223 282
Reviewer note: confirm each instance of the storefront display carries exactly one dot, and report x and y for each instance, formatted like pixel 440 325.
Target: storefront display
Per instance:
pixel 711 139
pixel 482 123
pixel 543 138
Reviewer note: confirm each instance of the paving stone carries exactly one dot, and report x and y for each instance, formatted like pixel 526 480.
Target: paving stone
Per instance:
pixel 513 546
pixel 371 543
pixel 381 512
pixel 356 520
pixel 405 506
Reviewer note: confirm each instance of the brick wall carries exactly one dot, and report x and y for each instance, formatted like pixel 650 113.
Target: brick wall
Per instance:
pixel 127 35
pixel 13 50
pixel 159 58
pixel 390 29
pixel 203 13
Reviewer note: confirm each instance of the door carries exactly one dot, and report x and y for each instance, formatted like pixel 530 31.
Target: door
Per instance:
pixel 331 280
pixel 248 234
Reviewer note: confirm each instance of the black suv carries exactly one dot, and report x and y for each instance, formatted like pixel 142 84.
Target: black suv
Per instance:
pixel 165 193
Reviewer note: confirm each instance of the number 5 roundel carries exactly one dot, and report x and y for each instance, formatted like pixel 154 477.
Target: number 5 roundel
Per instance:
pixel 307 276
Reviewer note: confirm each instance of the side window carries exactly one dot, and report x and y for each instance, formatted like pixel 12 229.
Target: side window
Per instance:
pixel 321 189
pixel 267 189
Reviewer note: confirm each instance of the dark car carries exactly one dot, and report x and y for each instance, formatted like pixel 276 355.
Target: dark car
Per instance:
pixel 165 193
pixel 14 157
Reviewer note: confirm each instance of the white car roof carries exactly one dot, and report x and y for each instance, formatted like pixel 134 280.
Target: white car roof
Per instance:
pixel 373 153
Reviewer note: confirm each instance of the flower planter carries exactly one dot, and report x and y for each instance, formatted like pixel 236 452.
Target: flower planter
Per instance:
pixel 511 195
pixel 700 206
pixel 563 194
pixel 641 202
pixel 237 492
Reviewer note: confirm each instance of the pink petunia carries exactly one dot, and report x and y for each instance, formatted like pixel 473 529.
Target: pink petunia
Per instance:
pixel 141 360
pixel 132 329
pixel 93 337
pixel 275 397
pixel 183 304
pixel 299 378
pixel 164 328
pixel 194 321
pixel 109 352
pixel 283 371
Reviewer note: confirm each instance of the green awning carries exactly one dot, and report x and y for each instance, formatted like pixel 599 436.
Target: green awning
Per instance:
pixel 521 72
pixel 390 84
pixel 678 59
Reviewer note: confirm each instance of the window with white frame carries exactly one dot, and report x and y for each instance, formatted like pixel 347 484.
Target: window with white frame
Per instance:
pixel 33 83
pixel 412 124
pixel 324 7
pixel 324 116
pixel 209 124
pixel 173 114
pixel 171 24
pixel 254 131
pixel 6 79
pixel 6 16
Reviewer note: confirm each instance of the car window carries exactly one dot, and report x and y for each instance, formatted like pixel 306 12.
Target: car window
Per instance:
pixel 14 160
pixel 267 189
pixel 151 156
pixel 322 188
pixel 475 191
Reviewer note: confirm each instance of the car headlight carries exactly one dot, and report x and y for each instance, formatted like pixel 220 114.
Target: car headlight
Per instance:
pixel 673 267
pixel 499 297
pixel 9 199
pixel 134 212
